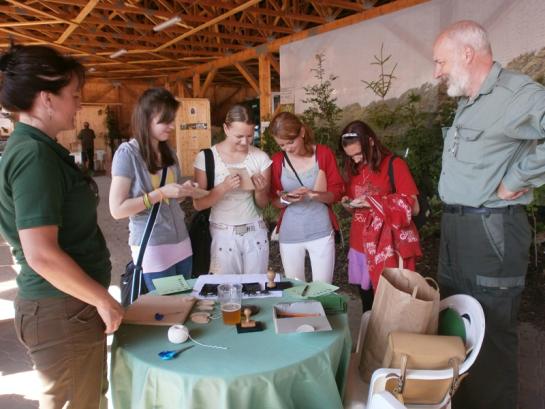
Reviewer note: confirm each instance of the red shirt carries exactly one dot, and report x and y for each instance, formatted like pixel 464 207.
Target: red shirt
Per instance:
pixel 368 182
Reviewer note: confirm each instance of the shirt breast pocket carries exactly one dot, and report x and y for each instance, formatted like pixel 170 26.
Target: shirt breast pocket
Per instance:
pixel 469 147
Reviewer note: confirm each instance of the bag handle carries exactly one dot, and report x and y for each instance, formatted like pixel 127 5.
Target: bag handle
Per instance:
pixel 454 363
pixel 137 280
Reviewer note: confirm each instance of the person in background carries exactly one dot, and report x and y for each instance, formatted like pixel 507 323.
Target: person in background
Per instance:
pixel 241 184
pixel 87 138
pixel 48 215
pixel 305 183
pixel 382 228
pixel 491 163
pixel 136 174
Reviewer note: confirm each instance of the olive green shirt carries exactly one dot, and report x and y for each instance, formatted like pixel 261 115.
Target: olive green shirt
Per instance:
pixel 41 186
pixel 493 139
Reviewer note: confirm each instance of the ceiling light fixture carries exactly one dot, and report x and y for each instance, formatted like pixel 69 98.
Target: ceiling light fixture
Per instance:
pixel 118 53
pixel 165 24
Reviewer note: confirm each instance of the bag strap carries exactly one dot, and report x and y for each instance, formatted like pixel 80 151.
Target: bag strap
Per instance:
pixel 292 168
pixel 210 168
pixel 391 174
pixel 145 238
pixel 402 378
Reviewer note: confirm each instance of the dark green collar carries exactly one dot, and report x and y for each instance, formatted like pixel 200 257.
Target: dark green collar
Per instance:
pixel 23 130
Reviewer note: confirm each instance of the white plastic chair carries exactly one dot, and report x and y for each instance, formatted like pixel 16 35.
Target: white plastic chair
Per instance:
pixel 358 395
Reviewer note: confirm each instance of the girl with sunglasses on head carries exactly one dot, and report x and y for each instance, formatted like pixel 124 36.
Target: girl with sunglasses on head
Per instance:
pixel 242 175
pixel 305 183
pixel 382 229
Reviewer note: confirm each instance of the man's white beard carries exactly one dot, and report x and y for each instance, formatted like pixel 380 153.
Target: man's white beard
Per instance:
pixel 458 81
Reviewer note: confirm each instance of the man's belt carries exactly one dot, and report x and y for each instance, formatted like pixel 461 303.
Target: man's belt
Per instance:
pixel 458 209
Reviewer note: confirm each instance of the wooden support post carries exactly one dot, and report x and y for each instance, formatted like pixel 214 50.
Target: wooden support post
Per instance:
pixel 264 87
pixel 196 85
pixel 207 82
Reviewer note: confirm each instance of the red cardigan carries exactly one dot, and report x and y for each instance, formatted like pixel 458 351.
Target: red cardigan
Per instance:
pixel 327 163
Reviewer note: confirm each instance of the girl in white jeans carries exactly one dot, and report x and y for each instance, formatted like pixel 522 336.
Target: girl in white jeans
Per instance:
pixel 241 185
pixel 305 182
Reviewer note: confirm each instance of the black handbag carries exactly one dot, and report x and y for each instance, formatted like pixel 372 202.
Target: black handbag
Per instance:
pixel 199 227
pixel 131 282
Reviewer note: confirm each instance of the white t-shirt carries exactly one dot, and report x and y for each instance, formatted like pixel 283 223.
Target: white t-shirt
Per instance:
pixel 237 206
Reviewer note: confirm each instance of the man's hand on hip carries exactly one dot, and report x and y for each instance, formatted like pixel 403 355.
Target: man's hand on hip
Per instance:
pixel 506 194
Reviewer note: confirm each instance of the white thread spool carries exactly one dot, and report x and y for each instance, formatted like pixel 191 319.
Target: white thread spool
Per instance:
pixel 178 334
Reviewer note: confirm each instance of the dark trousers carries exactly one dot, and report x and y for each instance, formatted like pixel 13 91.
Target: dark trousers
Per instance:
pixel 486 256
pixel 88 157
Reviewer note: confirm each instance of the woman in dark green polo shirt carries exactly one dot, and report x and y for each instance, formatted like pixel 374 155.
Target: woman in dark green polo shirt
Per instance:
pixel 48 215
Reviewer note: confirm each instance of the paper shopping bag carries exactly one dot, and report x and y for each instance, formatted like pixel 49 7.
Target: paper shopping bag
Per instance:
pixel 404 302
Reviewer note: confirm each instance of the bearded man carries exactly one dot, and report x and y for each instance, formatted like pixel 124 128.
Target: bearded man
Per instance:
pixel 491 163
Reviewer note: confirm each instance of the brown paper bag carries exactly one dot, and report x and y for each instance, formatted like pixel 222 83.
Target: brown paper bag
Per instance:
pixel 404 302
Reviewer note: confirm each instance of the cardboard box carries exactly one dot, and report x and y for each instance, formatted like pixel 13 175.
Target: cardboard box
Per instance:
pixel 300 316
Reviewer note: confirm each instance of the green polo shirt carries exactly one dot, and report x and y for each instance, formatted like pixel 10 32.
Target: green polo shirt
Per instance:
pixel 493 139
pixel 41 186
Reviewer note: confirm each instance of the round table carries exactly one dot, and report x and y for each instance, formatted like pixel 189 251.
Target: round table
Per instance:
pixel 259 370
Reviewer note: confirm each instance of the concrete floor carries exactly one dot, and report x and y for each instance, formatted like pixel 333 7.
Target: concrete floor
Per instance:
pixel 18 385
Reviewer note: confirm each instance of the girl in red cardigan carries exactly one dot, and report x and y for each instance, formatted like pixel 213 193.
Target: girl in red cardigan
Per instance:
pixel 382 229
pixel 305 182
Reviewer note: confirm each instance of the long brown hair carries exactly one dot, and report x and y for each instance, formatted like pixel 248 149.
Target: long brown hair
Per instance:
pixel 372 150
pixel 286 125
pixel 154 101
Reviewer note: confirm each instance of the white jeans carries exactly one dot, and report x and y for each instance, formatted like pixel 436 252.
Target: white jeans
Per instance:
pixel 239 249
pixel 322 258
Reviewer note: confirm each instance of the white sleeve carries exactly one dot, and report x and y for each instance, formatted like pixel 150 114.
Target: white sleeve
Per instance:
pixel 199 161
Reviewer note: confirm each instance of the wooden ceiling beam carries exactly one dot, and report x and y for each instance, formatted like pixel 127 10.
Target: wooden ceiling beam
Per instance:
pixel 37 11
pixel 209 23
pixel 347 5
pixel 248 76
pixel 78 20
pixel 13 24
pixel 273 46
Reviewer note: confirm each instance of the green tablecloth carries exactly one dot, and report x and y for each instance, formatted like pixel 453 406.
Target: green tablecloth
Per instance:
pixel 260 370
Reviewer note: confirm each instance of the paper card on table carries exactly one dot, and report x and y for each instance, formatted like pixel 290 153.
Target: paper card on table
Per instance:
pixel 315 289
pixel 245 180
pixel 321 182
pixel 169 285
pixel 151 309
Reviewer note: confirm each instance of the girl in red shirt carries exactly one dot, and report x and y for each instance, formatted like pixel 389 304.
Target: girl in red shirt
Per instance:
pixel 382 230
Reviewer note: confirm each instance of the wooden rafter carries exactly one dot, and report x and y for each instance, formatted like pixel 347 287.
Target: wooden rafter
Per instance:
pixel 213 34
pixel 248 76
pixel 81 16
pixel 209 23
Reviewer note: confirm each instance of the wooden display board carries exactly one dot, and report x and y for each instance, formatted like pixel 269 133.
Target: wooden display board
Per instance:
pixel 193 131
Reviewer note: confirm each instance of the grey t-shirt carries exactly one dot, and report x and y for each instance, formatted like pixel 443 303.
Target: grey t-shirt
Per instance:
pixel 306 220
pixel 169 226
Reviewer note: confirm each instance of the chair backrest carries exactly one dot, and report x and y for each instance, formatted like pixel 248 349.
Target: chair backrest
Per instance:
pixel 473 316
